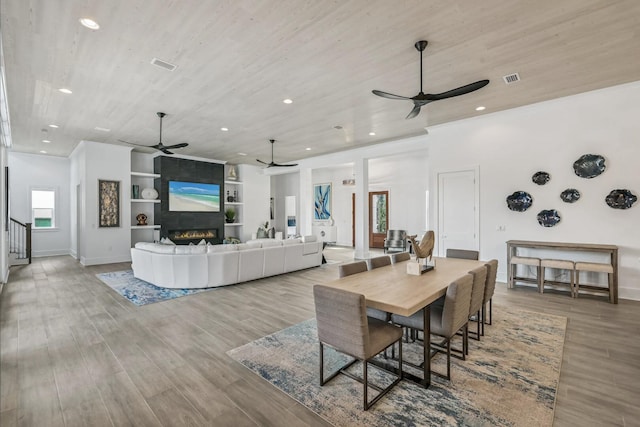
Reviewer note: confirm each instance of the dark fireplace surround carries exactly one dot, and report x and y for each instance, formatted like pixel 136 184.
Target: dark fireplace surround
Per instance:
pixel 191 227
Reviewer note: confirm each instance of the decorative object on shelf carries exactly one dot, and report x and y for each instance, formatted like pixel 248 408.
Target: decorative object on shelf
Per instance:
pixel 570 195
pixel 548 218
pixel 232 173
pixel 142 219
pixel 235 196
pixel 621 199
pixel 149 193
pixel 108 203
pixel 541 178
pixel 271 233
pixel 262 232
pixel 321 202
pixel 229 216
pixel 229 197
pixel 135 191
pixel 273 209
pixel 589 165
pixel 519 201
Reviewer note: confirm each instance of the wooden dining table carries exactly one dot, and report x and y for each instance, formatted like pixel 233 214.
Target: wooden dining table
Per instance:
pixel 391 289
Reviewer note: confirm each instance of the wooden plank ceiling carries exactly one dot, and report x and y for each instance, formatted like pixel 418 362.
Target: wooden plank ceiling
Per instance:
pixel 238 60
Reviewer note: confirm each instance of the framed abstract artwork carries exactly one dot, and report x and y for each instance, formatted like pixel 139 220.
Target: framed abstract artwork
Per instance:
pixel 108 203
pixel 322 202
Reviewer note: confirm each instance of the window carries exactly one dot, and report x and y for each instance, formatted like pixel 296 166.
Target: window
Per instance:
pixel 43 208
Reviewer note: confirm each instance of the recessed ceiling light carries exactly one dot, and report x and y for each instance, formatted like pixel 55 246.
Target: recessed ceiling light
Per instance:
pixel 65 90
pixel 46 141
pixel 372 134
pixel 287 101
pixel 224 129
pixel 89 23
pixel 337 127
pixel 54 126
pixel 102 129
pixel 242 154
pixel 480 108
pixel 43 152
pixel 308 148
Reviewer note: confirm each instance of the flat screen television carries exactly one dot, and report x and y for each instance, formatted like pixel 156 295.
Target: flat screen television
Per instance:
pixel 193 197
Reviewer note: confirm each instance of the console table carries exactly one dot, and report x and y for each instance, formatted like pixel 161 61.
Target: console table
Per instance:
pixel 611 250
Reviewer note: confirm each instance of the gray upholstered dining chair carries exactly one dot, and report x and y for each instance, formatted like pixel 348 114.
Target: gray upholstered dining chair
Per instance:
pixel 400 257
pixel 463 254
pixel 379 261
pixel 352 268
pixel 343 324
pixel 446 320
pixel 477 298
pixel 360 267
pixel 396 240
pixel 489 289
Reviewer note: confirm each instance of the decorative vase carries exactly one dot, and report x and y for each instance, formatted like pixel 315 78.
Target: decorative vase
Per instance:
pixel 271 233
pixel 149 193
pixel 261 234
pixel 229 220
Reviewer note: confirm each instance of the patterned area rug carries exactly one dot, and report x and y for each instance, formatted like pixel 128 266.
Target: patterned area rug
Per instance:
pixel 509 378
pixel 140 292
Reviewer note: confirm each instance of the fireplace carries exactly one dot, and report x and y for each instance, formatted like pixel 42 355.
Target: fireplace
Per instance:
pixel 193 235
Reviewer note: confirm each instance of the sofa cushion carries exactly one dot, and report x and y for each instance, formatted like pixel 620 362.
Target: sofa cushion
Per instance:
pixel 271 242
pixel 156 247
pixel 212 249
pixel 311 238
pixel 291 242
pixel 191 249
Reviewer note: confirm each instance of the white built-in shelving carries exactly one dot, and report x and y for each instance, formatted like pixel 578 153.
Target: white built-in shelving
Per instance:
pixel 233 189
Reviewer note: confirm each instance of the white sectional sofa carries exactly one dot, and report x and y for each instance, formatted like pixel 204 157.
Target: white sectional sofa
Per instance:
pixel 200 266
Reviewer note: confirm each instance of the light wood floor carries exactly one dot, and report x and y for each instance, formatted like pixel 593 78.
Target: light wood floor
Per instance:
pixel 75 353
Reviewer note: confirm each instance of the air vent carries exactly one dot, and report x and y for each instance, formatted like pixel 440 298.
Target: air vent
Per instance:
pixel 162 64
pixel 511 78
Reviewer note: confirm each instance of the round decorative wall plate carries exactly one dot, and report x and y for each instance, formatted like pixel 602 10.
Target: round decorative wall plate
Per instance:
pixel 519 201
pixel 149 193
pixel 621 199
pixel 541 178
pixel 589 165
pixel 570 195
pixel 548 218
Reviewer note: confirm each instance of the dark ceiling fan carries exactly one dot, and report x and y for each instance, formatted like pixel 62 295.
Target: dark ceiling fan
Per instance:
pixel 273 164
pixel 422 98
pixel 160 146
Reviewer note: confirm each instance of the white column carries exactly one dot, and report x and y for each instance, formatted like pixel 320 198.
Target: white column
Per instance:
pixel 305 202
pixel 361 170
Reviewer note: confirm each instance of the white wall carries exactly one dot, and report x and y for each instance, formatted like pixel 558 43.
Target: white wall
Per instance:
pixel 27 171
pixel 4 241
pixel 282 186
pixel 93 161
pixel 256 199
pixel 511 146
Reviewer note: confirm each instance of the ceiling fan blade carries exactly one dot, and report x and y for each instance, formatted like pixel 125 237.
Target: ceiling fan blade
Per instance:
pixel 281 166
pixel 139 145
pixel 164 150
pixel 181 145
pixel 462 90
pixel 260 161
pixel 388 95
pixel 414 112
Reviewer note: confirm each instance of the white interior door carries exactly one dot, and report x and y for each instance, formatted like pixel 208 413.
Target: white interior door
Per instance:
pixel 458 210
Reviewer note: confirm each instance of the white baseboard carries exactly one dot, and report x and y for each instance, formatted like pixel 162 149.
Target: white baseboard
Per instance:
pixel 52 252
pixel 629 293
